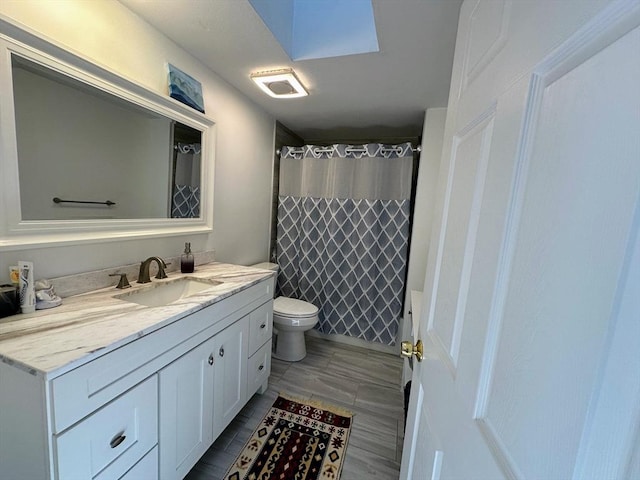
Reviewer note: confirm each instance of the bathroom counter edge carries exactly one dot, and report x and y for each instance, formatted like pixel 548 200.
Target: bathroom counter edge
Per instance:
pixel 49 343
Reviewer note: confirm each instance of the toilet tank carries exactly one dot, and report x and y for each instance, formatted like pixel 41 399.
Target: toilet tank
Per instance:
pixel 269 266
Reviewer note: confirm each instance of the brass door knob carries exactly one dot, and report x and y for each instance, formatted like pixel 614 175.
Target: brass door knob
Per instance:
pixel 408 350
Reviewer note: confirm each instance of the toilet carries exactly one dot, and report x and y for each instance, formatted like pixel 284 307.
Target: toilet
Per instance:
pixel 291 318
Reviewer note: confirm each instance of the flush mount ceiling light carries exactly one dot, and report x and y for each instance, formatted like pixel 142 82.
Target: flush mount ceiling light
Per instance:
pixel 279 83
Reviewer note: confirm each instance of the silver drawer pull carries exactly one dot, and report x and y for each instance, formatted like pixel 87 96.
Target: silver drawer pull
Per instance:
pixel 211 359
pixel 221 352
pixel 260 367
pixel 117 440
pixel 263 325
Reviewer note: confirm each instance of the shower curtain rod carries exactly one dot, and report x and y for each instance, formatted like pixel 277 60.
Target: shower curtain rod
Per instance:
pixel 350 150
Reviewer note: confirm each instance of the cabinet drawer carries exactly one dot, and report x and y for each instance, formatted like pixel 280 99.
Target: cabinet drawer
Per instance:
pixel 259 368
pixel 109 442
pixel 145 469
pixel 260 326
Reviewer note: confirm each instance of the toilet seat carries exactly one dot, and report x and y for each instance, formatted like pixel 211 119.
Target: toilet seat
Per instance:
pixel 293 308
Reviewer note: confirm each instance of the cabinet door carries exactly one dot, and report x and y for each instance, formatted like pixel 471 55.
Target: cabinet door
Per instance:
pixel 186 410
pixel 230 385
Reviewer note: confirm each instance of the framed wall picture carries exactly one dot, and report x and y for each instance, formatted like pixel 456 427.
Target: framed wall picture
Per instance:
pixel 185 88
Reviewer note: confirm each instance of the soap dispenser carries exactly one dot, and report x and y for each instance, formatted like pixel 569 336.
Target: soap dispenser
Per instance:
pixel 186 260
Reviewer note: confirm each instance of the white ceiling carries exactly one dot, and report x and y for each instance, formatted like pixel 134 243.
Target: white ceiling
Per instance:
pixel 367 96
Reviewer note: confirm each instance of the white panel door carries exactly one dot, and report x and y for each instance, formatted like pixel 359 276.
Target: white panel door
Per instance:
pixel 532 291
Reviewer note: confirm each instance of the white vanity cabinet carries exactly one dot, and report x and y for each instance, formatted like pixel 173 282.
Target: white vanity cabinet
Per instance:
pixel 200 393
pixel 148 409
pixel 203 390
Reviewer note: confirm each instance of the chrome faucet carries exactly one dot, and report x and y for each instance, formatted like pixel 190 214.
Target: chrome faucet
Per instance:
pixel 143 275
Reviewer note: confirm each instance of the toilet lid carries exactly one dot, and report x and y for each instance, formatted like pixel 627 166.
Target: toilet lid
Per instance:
pixel 291 307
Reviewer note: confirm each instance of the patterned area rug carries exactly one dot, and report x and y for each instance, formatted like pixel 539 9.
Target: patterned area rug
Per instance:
pixel 296 440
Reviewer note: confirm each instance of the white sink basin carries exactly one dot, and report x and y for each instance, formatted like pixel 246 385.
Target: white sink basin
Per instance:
pixel 160 294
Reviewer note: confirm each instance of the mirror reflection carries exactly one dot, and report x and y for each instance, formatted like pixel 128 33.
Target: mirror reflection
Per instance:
pixel 101 156
pixel 186 168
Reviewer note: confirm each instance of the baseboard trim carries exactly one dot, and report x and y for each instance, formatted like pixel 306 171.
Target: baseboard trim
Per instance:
pixel 354 342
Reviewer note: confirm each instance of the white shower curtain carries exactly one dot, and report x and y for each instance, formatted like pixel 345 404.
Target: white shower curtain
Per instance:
pixel 343 230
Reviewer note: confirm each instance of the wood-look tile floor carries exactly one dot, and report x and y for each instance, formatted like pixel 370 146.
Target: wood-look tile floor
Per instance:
pixel 363 381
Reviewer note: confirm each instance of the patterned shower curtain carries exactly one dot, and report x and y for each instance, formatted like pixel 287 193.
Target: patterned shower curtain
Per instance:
pixel 343 230
pixel 186 181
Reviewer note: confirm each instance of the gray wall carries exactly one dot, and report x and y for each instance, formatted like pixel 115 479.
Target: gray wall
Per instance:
pixel 109 34
pixel 432 138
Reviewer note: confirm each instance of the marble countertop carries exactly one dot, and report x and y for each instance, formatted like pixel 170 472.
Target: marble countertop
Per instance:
pixel 51 342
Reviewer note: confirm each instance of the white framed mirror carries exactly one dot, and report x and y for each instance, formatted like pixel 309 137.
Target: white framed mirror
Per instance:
pixel 90 156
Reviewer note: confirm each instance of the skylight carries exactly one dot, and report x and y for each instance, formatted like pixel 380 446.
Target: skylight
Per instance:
pixel 309 29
